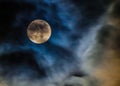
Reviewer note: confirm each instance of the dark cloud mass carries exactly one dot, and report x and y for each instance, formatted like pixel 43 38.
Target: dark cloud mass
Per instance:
pixel 23 63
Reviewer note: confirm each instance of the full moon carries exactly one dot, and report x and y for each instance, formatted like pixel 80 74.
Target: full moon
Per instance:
pixel 39 31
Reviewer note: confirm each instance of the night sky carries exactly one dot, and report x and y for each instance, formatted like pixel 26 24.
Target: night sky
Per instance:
pixel 23 63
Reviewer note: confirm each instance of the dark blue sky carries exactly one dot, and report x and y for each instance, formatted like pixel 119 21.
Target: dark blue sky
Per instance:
pixel 70 21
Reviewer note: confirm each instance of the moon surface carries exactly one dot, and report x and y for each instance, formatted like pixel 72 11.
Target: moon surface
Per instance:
pixel 39 31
